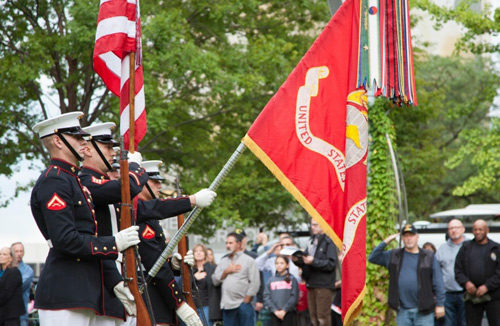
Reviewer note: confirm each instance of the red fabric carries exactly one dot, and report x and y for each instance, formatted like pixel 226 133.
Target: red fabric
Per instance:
pixel 56 203
pixel 301 137
pixel 302 303
pixel 118 34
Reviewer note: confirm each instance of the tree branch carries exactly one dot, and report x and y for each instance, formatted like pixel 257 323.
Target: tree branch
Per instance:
pixel 208 116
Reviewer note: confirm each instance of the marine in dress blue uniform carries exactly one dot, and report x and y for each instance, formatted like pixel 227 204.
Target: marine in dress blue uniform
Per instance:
pixel 165 294
pixel 97 161
pixel 80 265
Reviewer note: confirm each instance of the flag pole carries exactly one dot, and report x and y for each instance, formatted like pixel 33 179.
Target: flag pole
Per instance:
pixel 194 214
pixel 127 212
pixel 131 105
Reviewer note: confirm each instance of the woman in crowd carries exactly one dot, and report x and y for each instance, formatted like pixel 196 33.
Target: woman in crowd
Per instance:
pixel 281 294
pixel 429 246
pixel 206 296
pixel 11 290
pixel 210 256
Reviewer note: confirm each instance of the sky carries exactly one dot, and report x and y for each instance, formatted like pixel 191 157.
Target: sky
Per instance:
pixel 16 221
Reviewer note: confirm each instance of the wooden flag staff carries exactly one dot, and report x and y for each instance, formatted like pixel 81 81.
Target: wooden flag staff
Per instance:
pixel 182 249
pixel 130 273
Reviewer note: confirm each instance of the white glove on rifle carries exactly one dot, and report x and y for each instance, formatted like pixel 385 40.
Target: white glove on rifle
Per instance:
pixel 189 258
pixel 127 238
pixel 204 197
pixel 135 157
pixel 188 315
pixel 177 258
pixel 123 293
pixel 176 261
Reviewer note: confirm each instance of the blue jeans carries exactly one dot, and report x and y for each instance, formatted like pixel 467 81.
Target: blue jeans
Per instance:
pixel 244 315
pixel 204 315
pixel 23 320
pixel 454 309
pixel 411 317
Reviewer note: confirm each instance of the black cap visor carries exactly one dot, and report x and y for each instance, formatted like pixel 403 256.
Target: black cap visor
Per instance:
pixel 105 139
pixel 72 131
pixel 155 176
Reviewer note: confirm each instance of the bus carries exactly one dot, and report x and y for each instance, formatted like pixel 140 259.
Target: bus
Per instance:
pixel 435 229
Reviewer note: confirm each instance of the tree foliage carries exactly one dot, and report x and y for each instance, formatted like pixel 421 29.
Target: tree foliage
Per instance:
pixel 45 65
pixel 209 70
pixel 480 20
pixel 381 215
pixel 454 96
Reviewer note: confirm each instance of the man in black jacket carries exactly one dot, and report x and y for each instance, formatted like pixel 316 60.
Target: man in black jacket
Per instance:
pixel 415 279
pixel 318 270
pixel 477 270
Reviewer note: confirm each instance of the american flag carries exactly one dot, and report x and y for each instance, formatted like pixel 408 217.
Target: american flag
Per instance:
pixel 118 34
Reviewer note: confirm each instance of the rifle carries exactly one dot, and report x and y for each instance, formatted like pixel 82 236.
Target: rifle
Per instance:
pixel 182 249
pixel 194 214
pixel 130 272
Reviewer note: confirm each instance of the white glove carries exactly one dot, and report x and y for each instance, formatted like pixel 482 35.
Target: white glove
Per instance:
pixel 204 197
pixel 127 238
pixel 188 315
pixel 189 258
pixel 135 157
pixel 123 293
pixel 176 261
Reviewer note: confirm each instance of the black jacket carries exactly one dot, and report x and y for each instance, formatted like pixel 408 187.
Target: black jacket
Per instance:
pixel 426 303
pixel 105 193
pixel 80 265
pixel 321 273
pixel 165 294
pixel 214 293
pixel 489 264
pixel 11 294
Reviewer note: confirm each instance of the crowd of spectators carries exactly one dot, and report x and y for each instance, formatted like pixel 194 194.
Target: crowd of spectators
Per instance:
pixel 457 284
pixel 15 285
pixel 284 285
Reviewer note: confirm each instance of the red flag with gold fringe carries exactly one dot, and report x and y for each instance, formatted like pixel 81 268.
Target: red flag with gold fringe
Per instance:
pixel 313 136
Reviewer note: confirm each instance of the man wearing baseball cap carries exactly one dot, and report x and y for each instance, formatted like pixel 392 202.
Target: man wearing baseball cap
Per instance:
pixel 71 285
pixel 415 279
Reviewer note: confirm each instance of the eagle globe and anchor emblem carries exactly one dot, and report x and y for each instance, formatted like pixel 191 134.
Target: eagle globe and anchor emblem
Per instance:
pixel 356 125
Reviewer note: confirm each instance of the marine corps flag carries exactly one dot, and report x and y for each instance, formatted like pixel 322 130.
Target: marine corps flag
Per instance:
pixel 313 136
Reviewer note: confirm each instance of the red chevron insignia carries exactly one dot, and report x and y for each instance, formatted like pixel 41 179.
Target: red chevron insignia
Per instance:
pixel 148 233
pixel 56 203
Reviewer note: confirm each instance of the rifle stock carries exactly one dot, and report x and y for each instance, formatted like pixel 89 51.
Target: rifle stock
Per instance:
pixel 182 249
pixel 130 273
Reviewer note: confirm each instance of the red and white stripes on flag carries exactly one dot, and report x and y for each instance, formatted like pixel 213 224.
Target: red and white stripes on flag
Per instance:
pixel 118 34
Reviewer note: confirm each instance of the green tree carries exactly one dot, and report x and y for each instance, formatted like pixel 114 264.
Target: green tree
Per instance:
pixel 482 25
pixel 45 53
pixel 479 19
pixel 209 70
pixel 454 97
